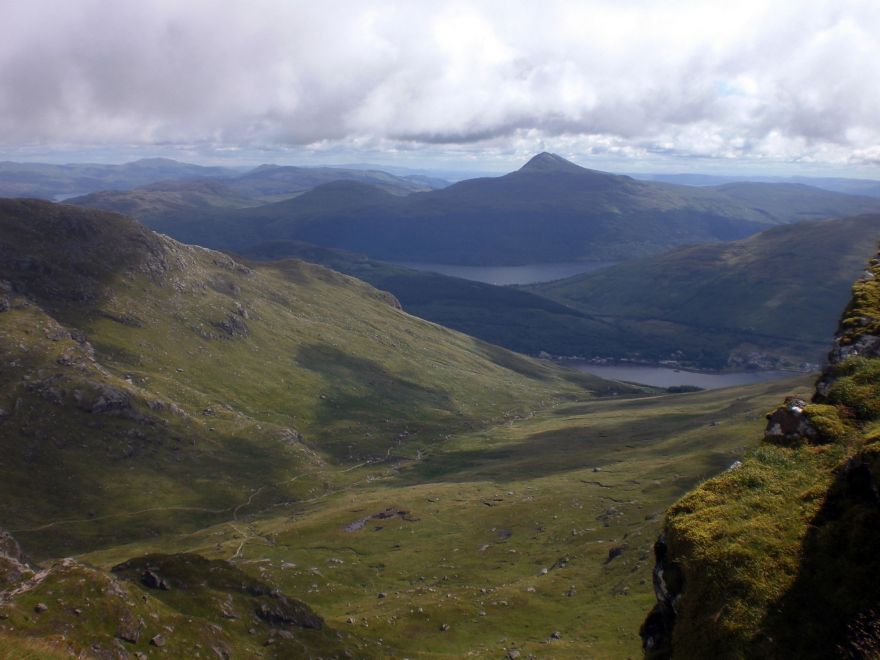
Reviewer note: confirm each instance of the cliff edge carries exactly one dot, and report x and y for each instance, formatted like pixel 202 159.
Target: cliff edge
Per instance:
pixel 779 556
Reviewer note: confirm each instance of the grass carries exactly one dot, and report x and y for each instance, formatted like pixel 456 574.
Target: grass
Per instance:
pixel 293 421
pixel 230 380
pixel 736 549
pixel 75 610
pixel 466 532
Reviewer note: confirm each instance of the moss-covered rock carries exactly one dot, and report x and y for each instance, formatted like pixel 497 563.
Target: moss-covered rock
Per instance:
pixel 827 422
pixel 780 557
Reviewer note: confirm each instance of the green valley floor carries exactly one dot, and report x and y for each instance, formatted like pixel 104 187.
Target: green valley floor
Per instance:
pixel 533 537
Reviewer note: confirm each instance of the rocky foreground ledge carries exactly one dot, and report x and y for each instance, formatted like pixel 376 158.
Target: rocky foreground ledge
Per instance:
pixel 778 556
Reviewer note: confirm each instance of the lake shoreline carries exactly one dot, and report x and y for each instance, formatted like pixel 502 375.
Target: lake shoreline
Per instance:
pixel 665 376
pixel 564 361
pixel 510 275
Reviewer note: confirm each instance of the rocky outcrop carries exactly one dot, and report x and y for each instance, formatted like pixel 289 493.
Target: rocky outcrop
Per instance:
pixel 656 631
pixel 234 324
pixel 859 332
pixel 106 398
pixel 14 567
pixel 193 576
pixel 789 423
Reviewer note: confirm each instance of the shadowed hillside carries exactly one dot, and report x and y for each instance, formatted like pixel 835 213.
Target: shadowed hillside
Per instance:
pixel 779 292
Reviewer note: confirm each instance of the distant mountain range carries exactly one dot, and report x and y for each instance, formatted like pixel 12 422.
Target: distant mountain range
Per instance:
pixel 549 210
pixel 155 202
pixel 867 187
pixel 257 185
pixel 47 181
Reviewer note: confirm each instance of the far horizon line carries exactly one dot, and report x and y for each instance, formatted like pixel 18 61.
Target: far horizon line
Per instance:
pixel 441 166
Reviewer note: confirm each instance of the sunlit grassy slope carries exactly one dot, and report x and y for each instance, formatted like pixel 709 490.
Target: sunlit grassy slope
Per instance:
pixel 506 535
pixel 428 495
pixel 139 373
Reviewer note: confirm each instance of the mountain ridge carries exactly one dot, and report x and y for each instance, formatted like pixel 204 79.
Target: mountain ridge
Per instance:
pixel 549 210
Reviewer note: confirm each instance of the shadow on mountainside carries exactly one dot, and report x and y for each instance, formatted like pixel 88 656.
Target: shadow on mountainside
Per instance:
pixel 65 258
pixel 832 607
pixel 359 390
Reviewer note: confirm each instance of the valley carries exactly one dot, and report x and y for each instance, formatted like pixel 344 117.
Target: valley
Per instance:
pixel 256 454
pixel 440 330
pixel 538 526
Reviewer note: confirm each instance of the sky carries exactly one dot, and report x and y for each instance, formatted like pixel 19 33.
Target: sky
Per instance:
pixel 769 87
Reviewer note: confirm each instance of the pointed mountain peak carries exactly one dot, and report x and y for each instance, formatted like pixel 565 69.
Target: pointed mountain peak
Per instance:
pixel 547 162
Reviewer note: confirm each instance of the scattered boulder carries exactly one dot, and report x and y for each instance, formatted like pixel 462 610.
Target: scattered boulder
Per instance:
pixel 152 580
pixel 789 423
pixel 129 629
pixel 105 398
pixel 9 546
pixel 14 567
pixel 614 553
pixel 281 611
pixel 227 609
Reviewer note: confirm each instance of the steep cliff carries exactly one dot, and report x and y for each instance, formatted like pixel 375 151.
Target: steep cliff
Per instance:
pixel 779 556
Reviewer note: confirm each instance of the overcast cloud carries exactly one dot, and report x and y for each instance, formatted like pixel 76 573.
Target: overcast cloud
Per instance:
pixel 783 81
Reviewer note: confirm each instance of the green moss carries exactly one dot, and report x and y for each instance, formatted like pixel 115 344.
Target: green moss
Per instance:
pixel 739 556
pixel 826 420
pixel 857 387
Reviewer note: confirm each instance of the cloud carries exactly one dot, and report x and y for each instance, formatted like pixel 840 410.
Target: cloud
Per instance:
pixel 782 80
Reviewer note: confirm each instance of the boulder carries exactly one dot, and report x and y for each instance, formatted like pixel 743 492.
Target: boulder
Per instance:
pixel 788 423
pixel 152 580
